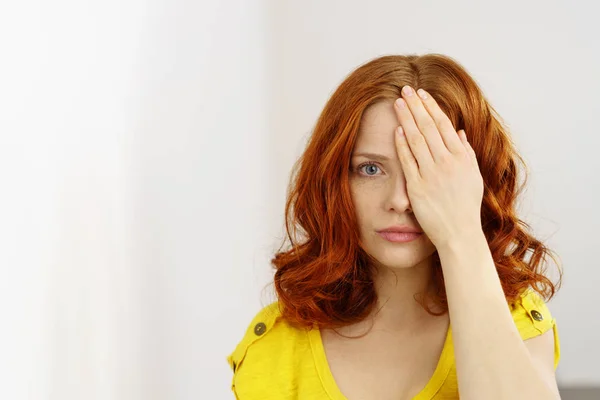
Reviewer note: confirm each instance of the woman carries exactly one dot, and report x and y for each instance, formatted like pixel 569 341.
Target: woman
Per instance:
pixel 411 280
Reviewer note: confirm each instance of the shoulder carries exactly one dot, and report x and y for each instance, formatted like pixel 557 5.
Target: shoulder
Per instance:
pixel 267 351
pixel 261 324
pixel 534 320
pixel 531 314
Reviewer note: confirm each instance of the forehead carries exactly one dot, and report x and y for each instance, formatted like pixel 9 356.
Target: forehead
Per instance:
pixel 377 127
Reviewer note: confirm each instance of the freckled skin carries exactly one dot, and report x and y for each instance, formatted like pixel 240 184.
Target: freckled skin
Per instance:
pixel 379 192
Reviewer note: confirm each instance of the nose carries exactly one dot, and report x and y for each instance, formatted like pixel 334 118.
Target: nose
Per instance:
pixel 397 195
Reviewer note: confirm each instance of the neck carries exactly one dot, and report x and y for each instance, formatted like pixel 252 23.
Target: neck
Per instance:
pixel 397 308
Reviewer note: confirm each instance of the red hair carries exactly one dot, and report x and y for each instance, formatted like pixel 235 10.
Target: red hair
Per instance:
pixel 326 277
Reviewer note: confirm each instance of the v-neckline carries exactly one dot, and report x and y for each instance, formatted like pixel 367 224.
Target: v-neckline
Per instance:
pixel 333 391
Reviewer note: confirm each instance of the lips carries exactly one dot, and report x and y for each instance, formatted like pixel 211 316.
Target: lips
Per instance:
pixel 400 228
pixel 400 237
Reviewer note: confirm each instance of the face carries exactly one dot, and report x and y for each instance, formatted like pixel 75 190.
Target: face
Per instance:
pixel 379 192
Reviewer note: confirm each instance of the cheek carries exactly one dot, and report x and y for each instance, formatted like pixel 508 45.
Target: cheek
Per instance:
pixel 364 204
pixel 365 191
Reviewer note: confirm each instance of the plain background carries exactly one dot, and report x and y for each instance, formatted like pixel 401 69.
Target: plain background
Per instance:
pixel 146 147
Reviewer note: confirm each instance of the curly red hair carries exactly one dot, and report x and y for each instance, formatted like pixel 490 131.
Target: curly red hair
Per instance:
pixel 325 279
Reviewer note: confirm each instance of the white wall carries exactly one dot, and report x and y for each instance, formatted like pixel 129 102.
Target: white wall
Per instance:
pixel 133 176
pixel 146 147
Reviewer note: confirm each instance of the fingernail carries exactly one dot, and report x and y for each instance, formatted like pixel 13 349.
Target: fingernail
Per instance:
pixel 407 90
pixel 400 103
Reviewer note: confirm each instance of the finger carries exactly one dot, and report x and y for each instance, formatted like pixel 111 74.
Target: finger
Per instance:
pixel 416 141
pixel 442 122
pixel 423 122
pixel 463 137
pixel 407 159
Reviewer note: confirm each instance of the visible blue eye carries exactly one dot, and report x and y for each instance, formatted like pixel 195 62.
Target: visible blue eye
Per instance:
pixel 368 164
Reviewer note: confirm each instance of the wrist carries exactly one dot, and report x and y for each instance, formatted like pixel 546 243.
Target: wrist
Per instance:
pixel 466 241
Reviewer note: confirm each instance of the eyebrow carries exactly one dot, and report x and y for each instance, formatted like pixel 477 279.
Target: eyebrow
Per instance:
pixel 378 157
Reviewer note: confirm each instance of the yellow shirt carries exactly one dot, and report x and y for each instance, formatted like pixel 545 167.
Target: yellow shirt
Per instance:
pixel 275 361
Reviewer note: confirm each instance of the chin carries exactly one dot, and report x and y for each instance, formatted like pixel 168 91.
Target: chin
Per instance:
pixel 401 255
pixel 398 262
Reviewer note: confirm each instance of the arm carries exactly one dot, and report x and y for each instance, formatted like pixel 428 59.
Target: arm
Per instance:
pixel 492 361
pixel 446 187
